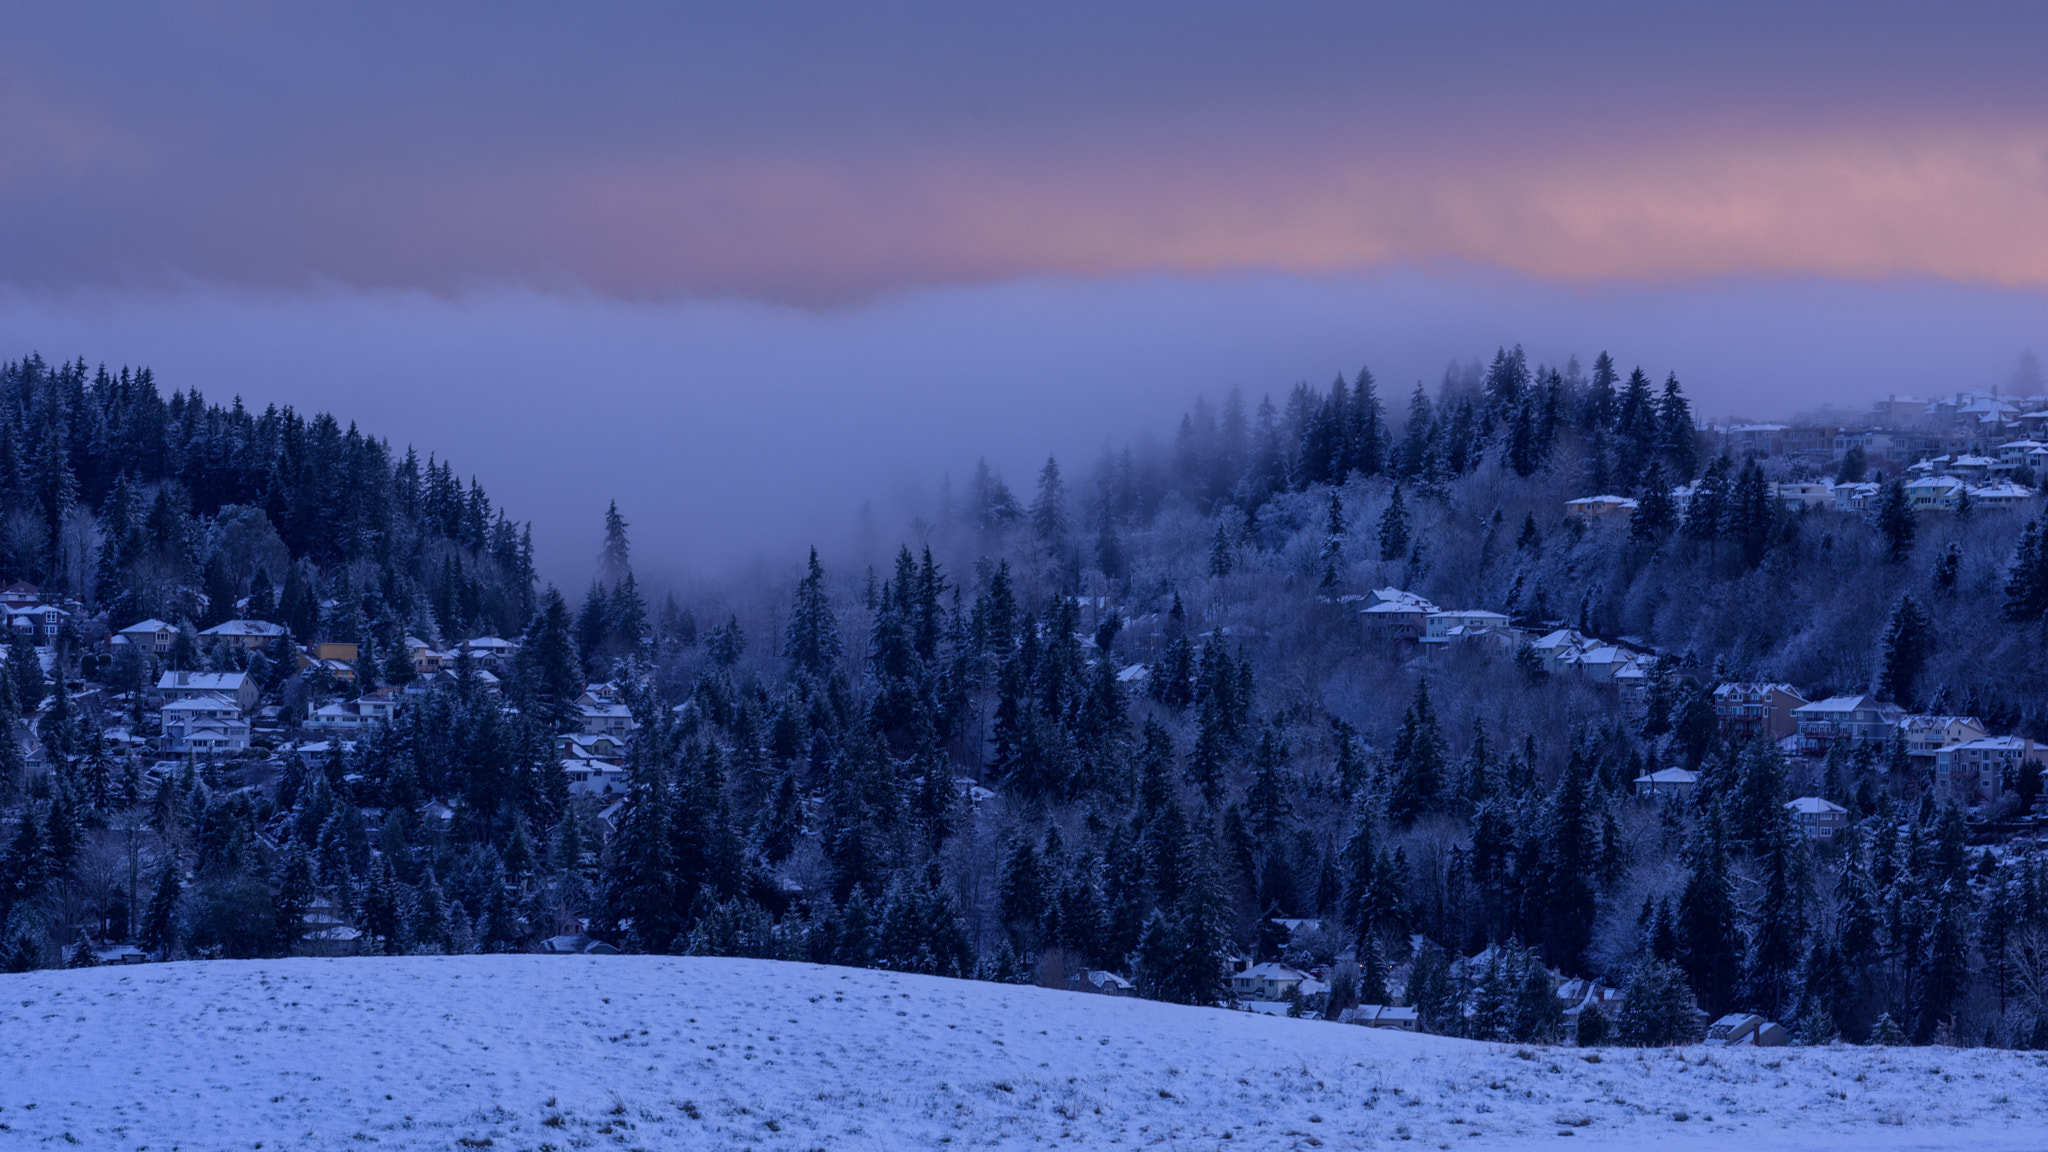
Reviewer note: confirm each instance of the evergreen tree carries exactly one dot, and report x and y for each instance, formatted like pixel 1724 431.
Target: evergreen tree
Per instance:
pixel 1417 762
pixel 1895 521
pixel 811 643
pixel 1908 643
pixel 294 898
pixel 160 922
pixel 1394 529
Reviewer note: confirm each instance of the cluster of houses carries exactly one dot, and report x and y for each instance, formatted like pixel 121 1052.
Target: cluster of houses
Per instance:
pixel 215 715
pixel 1394 614
pixel 1968 764
pixel 1898 428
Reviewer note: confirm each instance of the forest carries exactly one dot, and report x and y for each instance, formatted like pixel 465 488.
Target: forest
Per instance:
pixel 1127 723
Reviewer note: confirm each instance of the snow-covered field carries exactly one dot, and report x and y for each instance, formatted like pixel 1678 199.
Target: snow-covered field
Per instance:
pixel 535 1052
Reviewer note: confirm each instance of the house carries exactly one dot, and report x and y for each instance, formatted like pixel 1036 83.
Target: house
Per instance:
pixel 1595 507
pixel 1379 1016
pixel 1858 497
pixel 576 945
pixel 1266 982
pixel 595 778
pixel 1579 992
pixel 153 636
pixel 39 622
pixel 1933 493
pixel 1445 627
pixel 20 594
pixel 1845 719
pixel 491 653
pixel 1552 648
pixel 1798 496
pixel 1597 663
pixel 1819 819
pixel 426 659
pixel 1101 983
pixel 606 719
pixel 1926 736
pixel 204 726
pixel 1756 709
pixel 1975 771
pixel 330 650
pixel 345 716
pixel 247 633
pixel 1393 612
pixel 237 686
pixel 587 747
pixel 328 932
pixel 1746 1028
pixel 2004 494
pixel 1667 782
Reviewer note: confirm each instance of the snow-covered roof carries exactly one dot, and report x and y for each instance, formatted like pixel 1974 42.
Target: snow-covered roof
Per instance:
pixel 1271 971
pixel 1669 776
pixel 245 628
pixel 203 681
pixel 149 627
pixel 1814 806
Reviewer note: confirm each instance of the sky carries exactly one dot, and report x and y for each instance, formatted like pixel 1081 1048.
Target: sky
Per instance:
pixel 744 267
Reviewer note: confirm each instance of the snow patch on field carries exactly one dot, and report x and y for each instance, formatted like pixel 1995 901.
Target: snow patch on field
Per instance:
pixel 532 1052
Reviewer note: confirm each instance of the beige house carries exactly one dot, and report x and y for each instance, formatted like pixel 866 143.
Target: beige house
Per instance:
pixel 1975 771
pixel 152 636
pixel 1927 735
pixel 1595 507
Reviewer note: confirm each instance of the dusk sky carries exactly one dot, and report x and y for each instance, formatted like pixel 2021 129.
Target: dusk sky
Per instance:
pixel 668 247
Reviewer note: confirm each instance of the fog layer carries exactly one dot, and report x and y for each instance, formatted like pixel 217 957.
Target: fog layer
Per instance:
pixel 732 429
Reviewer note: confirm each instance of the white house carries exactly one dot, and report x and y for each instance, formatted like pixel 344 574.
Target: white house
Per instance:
pixel 1266 982
pixel 247 633
pixel 236 686
pixel 1819 819
pixel 205 726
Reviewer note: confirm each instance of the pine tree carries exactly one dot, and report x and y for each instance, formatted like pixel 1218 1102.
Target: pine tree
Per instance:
pixel 811 643
pixel 1908 643
pixel 1417 762
pixel 160 923
pixel 1895 522
pixel 294 898
pixel 1675 439
pixel 1334 530
pixel 1656 511
pixel 1709 951
pixel 614 562
pixel 2026 583
pixel 1394 529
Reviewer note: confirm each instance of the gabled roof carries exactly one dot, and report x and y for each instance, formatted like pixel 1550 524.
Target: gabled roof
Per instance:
pixel 151 627
pixel 203 681
pixel 1272 971
pixel 245 628
pixel 1814 806
pixel 1844 704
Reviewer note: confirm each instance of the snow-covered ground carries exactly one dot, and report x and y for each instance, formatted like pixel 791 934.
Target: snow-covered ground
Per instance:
pixel 535 1052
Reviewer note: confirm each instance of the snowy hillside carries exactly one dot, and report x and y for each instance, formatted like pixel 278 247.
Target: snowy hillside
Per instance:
pixel 531 1052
